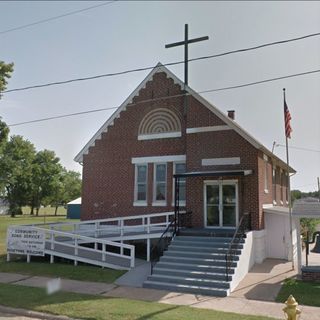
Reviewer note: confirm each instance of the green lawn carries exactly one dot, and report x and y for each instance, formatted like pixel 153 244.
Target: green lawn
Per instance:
pixel 100 308
pixel 47 211
pixel 306 293
pixel 62 270
pixel 41 266
pixel 5 221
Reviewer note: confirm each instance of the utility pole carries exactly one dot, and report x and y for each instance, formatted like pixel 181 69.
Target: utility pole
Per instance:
pixel 318 188
pixel 273 146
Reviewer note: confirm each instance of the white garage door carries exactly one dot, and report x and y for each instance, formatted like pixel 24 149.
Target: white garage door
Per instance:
pixel 278 236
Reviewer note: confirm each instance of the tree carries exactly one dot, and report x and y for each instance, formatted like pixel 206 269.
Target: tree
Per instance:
pixel 72 184
pixel 45 169
pixel 66 188
pixel 16 172
pixel 5 73
pixel 295 194
pixel 4 133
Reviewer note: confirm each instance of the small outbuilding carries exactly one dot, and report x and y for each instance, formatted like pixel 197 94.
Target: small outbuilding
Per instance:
pixel 74 209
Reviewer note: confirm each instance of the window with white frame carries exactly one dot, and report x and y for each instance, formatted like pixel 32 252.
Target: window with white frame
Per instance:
pixel 281 186
pixel 141 178
pixel 160 184
pixel 180 167
pixel 265 158
pixel 274 187
pixel 287 187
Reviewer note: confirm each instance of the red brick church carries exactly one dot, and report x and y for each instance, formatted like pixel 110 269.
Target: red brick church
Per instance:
pixel 128 165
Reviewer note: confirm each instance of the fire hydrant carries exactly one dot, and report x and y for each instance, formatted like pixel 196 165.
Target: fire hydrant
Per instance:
pixel 291 311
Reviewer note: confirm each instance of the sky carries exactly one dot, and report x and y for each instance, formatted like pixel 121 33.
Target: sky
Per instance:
pixel 124 35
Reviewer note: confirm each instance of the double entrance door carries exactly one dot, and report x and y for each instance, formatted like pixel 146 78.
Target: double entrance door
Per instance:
pixel 221 203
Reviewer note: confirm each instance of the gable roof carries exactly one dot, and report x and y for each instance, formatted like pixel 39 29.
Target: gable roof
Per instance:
pixel 161 68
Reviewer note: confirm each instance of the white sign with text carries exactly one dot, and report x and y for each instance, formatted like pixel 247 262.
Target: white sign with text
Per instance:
pixel 26 241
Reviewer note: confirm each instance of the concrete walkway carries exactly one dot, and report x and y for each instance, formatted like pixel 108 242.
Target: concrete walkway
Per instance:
pixel 262 283
pixel 22 314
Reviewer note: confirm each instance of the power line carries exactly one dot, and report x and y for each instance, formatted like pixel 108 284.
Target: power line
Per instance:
pixel 298 148
pixel 166 64
pixel 163 98
pixel 262 81
pixel 55 17
pixel 61 116
pixel 259 46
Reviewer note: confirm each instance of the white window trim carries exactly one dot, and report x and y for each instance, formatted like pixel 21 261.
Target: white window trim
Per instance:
pixel 274 184
pixel 208 129
pixel 266 180
pixel 220 161
pixel 159 203
pixel 220 183
pixel 159 159
pixel 163 135
pixel 182 203
pixel 281 186
pixel 140 203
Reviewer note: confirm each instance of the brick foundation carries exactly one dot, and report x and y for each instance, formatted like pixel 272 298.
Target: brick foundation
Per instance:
pixel 310 273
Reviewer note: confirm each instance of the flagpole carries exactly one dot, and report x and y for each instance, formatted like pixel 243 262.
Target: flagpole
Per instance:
pixel 288 182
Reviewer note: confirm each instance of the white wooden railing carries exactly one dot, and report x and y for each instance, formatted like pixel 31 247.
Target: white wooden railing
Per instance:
pixel 119 226
pixel 68 245
pixel 68 239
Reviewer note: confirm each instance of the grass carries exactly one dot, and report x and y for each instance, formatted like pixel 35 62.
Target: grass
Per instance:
pixel 46 211
pixel 100 308
pixel 306 293
pixel 62 270
pixel 6 221
pixel 42 267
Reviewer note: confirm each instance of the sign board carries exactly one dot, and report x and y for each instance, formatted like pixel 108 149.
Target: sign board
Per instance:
pixel 53 286
pixel 26 241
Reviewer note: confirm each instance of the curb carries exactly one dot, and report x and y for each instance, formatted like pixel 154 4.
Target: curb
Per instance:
pixel 32 314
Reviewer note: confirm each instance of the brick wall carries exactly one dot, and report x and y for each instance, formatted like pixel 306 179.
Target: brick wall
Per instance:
pixel 310 275
pixel 108 174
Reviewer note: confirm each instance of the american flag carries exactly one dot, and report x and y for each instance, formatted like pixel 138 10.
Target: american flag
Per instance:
pixel 287 118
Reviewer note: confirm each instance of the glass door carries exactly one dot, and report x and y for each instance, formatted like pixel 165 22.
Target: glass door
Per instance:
pixel 221 204
pixel 213 205
pixel 229 205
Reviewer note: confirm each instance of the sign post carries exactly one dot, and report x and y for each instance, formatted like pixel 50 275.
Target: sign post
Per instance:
pixel 25 241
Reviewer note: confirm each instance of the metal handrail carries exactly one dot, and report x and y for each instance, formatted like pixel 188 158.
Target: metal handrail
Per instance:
pixel 239 235
pixel 166 237
pixel 155 254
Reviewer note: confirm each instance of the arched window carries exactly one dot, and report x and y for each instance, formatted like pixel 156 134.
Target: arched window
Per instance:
pixel 158 124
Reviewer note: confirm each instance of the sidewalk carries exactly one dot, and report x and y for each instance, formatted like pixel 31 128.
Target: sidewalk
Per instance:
pixel 237 302
pixel 22 314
